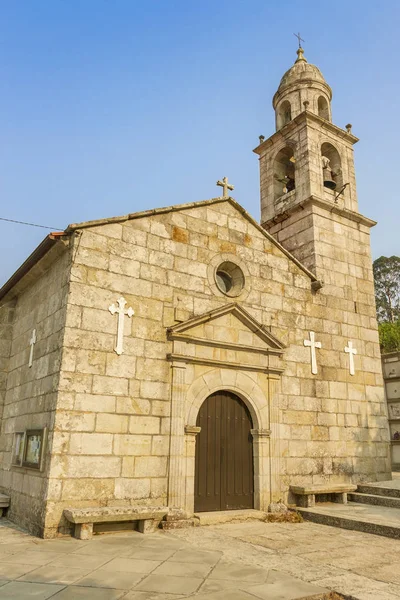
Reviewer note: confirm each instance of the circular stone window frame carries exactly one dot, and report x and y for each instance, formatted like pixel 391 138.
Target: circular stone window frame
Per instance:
pixel 216 262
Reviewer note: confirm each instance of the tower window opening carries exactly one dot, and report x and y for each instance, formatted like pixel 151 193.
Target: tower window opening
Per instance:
pixel 284 114
pixel 284 172
pixel 331 167
pixel 323 108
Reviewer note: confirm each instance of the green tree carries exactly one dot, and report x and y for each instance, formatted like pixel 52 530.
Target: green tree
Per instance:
pixel 387 288
pixel 389 337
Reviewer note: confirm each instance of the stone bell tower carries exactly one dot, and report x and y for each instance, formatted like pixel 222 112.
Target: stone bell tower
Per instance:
pixel 308 187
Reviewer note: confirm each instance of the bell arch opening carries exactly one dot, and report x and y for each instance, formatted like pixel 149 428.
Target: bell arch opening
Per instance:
pixel 323 108
pixel 284 172
pixel 284 114
pixel 331 167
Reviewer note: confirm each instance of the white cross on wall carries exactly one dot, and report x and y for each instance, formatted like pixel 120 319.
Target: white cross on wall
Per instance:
pixel 119 348
pixel 311 343
pixel 351 352
pixel 32 342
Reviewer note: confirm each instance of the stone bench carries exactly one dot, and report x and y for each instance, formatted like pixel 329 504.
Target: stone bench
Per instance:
pixel 305 496
pixel 149 518
pixel 4 503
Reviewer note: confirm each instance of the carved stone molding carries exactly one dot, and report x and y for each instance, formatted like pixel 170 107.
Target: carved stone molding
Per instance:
pixel 260 433
pixel 192 430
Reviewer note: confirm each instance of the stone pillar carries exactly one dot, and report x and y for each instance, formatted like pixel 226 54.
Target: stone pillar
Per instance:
pixel 191 432
pixel 274 443
pixel 177 471
pixel 261 438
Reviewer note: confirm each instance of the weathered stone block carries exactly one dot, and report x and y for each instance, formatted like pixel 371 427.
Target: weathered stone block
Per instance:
pixel 112 423
pixel 144 425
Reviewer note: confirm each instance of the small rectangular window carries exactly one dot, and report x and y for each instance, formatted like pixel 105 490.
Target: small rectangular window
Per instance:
pixel 33 450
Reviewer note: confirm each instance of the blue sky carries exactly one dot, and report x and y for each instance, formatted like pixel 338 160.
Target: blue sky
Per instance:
pixel 114 106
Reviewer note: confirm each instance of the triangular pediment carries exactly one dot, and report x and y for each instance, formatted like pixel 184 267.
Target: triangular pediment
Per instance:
pixel 230 326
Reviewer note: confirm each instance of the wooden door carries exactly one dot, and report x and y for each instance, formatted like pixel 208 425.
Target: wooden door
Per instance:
pixel 224 476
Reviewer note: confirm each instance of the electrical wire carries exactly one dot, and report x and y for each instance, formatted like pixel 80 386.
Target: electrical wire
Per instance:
pixel 31 224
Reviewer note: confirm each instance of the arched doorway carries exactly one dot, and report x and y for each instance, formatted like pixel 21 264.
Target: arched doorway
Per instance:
pixel 224 474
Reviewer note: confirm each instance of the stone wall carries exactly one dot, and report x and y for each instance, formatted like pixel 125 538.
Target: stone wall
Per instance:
pixel 338 249
pixel 29 393
pixel 113 422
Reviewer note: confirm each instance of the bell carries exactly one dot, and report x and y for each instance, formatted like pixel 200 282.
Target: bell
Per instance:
pixel 329 183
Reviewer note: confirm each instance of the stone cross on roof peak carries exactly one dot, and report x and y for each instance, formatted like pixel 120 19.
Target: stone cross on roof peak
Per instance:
pixel 226 186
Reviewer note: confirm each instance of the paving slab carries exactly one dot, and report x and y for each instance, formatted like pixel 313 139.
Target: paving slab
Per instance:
pixel 24 591
pixel 232 571
pixel 151 596
pixel 183 569
pixel 105 550
pixel 151 553
pixel 233 595
pixel 169 584
pixel 90 562
pixel 131 565
pixel 14 570
pixel 280 586
pixel 54 574
pixel 61 546
pixel 196 556
pixel 219 585
pixel 111 579
pixel 74 592
pixel 33 557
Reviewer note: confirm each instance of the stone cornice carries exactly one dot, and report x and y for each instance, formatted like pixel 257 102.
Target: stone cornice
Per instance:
pixel 227 345
pixel 326 205
pixel 275 372
pixel 298 85
pixel 305 118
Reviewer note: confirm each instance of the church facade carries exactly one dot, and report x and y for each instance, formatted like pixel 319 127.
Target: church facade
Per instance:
pixel 191 357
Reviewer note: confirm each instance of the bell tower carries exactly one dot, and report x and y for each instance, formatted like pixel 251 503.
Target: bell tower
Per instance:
pixel 308 186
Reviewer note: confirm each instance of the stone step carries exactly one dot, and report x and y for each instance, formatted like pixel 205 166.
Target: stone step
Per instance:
pixel 230 516
pixel 379 520
pixel 383 489
pixel 374 499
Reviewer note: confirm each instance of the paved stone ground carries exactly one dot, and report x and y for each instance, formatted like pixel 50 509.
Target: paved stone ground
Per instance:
pixel 358 565
pixel 265 561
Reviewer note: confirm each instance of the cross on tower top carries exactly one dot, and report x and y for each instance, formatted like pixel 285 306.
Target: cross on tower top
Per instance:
pixel 300 39
pixel 227 186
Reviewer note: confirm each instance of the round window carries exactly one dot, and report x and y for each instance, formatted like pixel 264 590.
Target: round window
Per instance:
pixel 229 278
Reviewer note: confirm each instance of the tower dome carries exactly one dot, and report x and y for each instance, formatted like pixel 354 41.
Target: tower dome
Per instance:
pixel 302 87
